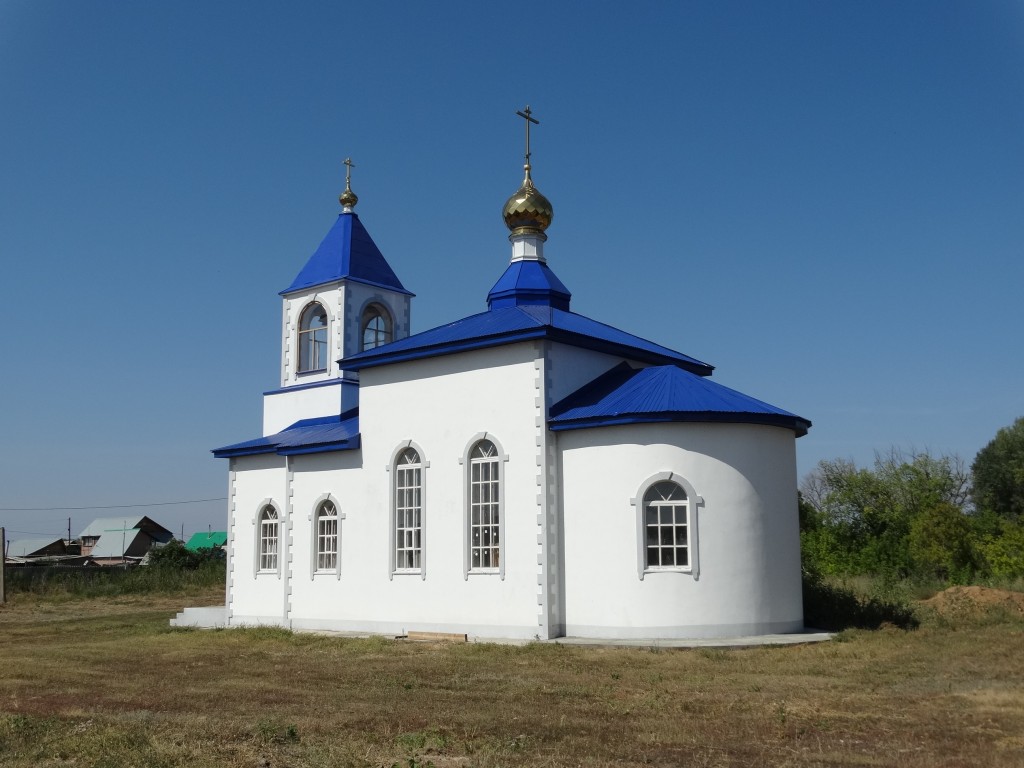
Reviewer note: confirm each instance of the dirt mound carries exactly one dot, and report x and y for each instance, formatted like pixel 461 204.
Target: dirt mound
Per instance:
pixel 976 600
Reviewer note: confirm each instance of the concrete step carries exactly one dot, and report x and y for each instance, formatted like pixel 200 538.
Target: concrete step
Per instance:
pixel 206 617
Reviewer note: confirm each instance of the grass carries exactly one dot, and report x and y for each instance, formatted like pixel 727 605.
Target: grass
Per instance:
pixel 106 682
pixel 61 583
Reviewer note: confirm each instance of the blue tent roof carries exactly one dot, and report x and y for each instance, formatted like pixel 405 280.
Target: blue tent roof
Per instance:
pixel 328 433
pixel 511 324
pixel 347 252
pixel 626 395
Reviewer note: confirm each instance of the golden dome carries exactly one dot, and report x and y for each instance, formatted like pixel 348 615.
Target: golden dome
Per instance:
pixel 348 198
pixel 528 211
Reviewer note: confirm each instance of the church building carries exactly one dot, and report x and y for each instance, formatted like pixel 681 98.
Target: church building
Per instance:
pixel 524 472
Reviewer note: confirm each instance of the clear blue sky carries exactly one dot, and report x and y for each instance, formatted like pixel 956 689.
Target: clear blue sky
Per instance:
pixel 824 200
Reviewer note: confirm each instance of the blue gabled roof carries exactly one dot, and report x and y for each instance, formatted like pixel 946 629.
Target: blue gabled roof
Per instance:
pixel 319 435
pixel 347 252
pixel 512 324
pixel 627 395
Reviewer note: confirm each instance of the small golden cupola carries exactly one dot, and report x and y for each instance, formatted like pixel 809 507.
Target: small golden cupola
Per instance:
pixel 528 212
pixel 348 198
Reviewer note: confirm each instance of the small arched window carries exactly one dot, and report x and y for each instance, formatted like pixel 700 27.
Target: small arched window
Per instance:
pixel 408 511
pixel 313 339
pixel 268 539
pixel 377 327
pixel 484 507
pixel 666 525
pixel 327 537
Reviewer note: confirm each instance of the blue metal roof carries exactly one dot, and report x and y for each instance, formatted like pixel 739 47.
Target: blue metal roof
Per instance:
pixel 347 252
pixel 507 325
pixel 528 282
pixel 319 435
pixel 626 395
pixel 29 547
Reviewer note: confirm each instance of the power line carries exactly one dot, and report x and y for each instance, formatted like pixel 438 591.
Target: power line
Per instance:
pixel 108 506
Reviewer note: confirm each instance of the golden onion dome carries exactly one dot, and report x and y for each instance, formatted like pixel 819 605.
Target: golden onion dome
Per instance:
pixel 348 198
pixel 527 211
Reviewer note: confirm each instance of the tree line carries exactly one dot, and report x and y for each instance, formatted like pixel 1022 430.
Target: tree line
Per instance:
pixel 914 515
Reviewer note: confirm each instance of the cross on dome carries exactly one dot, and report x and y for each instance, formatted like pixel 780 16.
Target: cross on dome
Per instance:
pixel 528 212
pixel 348 198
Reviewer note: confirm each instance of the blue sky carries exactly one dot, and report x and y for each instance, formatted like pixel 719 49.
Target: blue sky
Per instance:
pixel 824 200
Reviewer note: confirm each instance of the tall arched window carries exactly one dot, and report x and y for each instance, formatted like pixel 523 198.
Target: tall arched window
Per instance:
pixel 666 526
pixel 408 511
pixel 313 339
pixel 377 327
pixel 268 538
pixel 484 507
pixel 327 537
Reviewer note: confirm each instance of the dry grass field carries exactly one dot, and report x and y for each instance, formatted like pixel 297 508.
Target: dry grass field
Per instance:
pixel 106 682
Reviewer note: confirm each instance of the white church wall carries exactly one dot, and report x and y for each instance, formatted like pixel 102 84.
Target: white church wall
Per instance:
pixel 359 296
pixel 439 404
pixel 255 598
pixel 284 407
pixel 572 367
pixel 331 297
pixel 747 579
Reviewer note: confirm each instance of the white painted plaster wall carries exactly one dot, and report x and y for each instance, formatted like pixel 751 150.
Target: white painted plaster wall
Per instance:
pixel 440 404
pixel 747 531
pixel 283 408
pixel 358 297
pixel 332 297
pixel 572 367
pixel 255 598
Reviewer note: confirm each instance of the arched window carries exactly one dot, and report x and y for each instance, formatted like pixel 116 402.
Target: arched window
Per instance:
pixel 376 325
pixel 408 511
pixel 484 507
pixel 326 537
pixel 666 527
pixel 268 538
pixel 313 339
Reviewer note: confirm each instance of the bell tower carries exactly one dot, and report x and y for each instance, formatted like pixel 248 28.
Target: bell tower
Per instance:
pixel 346 299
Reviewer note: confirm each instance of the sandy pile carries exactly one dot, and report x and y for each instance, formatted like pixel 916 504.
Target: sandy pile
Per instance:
pixel 973 600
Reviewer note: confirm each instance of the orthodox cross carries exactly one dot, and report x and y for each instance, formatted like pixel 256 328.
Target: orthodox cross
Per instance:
pixel 525 114
pixel 349 165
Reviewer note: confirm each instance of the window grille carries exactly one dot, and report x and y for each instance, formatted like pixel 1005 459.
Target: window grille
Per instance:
pixel 327 537
pixel 268 539
pixel 408 511
pixel 313 339
pixel 484 507
pixel 666 526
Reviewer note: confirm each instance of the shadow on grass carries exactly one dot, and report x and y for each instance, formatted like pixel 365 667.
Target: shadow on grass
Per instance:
pixel 833 608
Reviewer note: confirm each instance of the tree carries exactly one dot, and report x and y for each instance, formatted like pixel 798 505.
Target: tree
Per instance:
pixel 999 474
pixel 881 520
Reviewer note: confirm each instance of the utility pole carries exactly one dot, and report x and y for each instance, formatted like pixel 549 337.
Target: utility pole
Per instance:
pixel 3 566
pixel 69 530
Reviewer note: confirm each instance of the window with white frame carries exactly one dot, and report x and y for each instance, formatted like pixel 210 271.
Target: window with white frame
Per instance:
pixel 408 511
pixel 268 539
pixel 666 527
pixel 484 507
pixel 327 537
pixel 376 325
pixel 313 339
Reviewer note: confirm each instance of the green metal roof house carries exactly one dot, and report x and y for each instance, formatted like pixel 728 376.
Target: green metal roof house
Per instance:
pixel 207 540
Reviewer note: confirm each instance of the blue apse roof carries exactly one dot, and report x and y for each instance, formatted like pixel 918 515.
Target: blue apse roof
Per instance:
pixel 319 435
pixel 627 395
pixel 507 325
pixel 348 252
